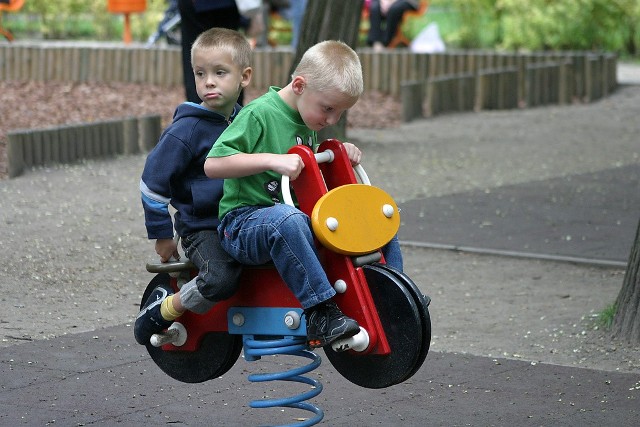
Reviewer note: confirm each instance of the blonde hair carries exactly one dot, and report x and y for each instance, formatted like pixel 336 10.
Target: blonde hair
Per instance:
pixel 231 41
pixel 331 64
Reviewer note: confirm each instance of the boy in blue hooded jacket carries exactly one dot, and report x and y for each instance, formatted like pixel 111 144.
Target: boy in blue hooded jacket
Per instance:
pixel 174 175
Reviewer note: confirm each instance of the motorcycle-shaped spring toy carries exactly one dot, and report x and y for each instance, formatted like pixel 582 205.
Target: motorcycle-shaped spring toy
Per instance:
pixel 351 221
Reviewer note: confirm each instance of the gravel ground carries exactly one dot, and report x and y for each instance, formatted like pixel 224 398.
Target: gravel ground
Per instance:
pixel 75 247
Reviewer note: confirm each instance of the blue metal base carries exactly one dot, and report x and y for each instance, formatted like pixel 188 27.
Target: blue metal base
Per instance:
pixel 264 321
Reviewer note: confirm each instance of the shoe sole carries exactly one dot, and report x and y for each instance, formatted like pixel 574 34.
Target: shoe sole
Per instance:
pixel 317 343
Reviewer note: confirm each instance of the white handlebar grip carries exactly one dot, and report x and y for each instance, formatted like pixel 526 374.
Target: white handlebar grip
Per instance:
pixel 286 191
pixel 325 156
pixel 364 178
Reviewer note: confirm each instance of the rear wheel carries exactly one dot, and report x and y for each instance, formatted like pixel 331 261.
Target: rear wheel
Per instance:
pixel 217 351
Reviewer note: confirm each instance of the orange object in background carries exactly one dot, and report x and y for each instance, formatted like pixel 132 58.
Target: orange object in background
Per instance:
pixel 9 6
pixel 126 7
pixel 400 38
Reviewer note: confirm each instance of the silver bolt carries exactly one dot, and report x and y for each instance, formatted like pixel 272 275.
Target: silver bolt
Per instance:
pixel 292 319
pixel 238 319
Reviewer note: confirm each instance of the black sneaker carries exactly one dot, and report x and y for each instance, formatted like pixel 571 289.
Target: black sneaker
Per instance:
pixel 326 324
pixel 149 321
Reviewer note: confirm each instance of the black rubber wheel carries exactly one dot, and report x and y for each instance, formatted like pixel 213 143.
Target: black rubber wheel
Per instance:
pixel 216 354
pixel 402 321
pixel 423 308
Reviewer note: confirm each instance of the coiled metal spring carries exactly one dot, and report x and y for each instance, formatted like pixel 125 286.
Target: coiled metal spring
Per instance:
pixel 293 346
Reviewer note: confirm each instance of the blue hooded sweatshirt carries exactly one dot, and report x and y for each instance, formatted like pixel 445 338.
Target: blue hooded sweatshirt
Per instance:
pixel 174 174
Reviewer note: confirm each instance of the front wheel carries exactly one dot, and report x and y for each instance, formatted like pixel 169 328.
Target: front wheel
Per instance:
pixel 404 315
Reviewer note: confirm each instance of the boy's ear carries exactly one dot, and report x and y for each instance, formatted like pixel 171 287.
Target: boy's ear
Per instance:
pixel 298 84
pixel 246 77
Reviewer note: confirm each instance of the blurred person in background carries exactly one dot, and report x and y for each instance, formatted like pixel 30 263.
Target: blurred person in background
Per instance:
pixel 198 16
pixel 385 17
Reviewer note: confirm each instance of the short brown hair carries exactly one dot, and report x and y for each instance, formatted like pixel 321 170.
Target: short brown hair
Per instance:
pixel 222 38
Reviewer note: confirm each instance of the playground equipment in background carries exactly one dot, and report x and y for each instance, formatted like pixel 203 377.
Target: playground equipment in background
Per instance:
pixel 126 7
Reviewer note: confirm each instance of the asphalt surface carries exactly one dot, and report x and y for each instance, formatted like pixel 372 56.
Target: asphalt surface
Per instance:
pixel 103 378
pixel 552 218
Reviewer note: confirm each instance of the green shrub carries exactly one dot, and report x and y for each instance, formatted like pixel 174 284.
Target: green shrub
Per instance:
pixel 611 25
pixel 570 24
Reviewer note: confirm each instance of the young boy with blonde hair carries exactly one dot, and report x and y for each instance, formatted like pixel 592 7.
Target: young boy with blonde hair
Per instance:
pixel 174 174
pixel 251 155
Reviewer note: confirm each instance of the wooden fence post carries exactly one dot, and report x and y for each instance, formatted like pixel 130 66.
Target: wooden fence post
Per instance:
pixel 15 156
pixel 412 98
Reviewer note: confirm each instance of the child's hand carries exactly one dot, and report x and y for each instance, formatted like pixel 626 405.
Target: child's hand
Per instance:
pixel 353 152
pixel 288 164
pixel 167 248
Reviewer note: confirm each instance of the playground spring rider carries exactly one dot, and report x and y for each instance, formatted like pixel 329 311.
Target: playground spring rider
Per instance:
pixel 350 221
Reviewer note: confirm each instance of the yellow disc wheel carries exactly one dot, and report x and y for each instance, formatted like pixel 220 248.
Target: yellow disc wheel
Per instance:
pixel 355 219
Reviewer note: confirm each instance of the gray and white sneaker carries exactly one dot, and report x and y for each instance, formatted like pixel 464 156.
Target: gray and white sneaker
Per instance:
pixel 326 324
pixel 149 321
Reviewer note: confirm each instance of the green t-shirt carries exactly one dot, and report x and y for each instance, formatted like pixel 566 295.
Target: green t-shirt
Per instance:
pixel 266 125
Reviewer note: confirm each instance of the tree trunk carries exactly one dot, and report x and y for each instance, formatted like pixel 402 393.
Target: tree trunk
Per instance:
pixel 329 20
pixel 626 323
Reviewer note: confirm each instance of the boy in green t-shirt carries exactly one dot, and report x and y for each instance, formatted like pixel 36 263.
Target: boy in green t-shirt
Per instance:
pixel 251 155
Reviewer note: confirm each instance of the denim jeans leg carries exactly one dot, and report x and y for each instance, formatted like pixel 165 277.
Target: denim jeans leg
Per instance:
pixel 375 24
pixel 393 254
pixel 218 272
pixel 282 234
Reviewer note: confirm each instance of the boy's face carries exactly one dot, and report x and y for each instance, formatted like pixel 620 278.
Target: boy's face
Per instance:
pixel 321 109
pixel 218 79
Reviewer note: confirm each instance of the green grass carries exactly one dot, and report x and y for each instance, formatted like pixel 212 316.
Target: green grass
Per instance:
pixel 605 317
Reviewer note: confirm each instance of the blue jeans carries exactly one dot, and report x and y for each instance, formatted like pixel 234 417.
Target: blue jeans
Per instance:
pixel 280 233
pixel 392 254
pixel 218 272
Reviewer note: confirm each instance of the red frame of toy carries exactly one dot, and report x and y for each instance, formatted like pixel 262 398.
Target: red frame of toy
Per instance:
pixel 262 286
